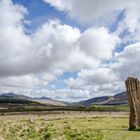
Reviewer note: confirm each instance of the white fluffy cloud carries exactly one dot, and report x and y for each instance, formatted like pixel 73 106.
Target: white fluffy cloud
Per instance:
pixel 131 22
pixel 100 81
pixel 51 50
pixel 53 42
pixel 104 12
pixel 90 10
pixel 29 62
pixel 69 95
pixel 46 48
pixel 98 43
pixel 14 42
pixel 42 51
pixel 127 62
pixel 110 79
pixel 107 77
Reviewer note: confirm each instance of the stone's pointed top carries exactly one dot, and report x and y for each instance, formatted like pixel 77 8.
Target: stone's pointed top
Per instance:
pixel 131 83
pixel 131 78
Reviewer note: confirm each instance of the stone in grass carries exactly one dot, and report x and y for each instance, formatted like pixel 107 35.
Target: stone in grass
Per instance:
pixel 133 93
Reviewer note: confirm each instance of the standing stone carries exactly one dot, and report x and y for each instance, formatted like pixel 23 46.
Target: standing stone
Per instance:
pixel 133 93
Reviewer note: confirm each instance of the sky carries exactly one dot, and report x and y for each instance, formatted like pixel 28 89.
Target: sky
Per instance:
pixel 68 50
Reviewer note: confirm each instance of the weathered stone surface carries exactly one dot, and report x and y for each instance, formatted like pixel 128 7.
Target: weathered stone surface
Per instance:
pixel 133 92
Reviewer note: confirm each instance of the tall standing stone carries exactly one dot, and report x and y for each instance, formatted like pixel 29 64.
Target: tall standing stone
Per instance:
pixel 133 93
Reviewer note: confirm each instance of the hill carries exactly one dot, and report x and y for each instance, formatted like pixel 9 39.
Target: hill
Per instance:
pixel 22 99
pixel 11 98
pixel 49 101
pixel 118 99
pixel 15 96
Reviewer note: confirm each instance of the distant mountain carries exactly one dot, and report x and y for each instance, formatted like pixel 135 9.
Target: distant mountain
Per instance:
pixel 117 99
pixel 15 96
pixel 12 98
pixel 42 98
pixel 49 101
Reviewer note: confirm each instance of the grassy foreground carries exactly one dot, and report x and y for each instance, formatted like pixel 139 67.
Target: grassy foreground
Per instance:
pixel 70 128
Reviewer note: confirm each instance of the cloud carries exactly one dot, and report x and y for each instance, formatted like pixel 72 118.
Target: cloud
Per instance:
pixel 30 62
pixel 130 23
pixel 41 51
pixel 106 13
pixel 53 42
pixel 45 49
pixel 109 78
pixel 127 62
pixel 70 95
pixel 14 42
pixel 100 81
pixel 98 43
pixel 90 10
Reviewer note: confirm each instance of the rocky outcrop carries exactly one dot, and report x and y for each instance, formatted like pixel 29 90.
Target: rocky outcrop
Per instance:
pixel 133 93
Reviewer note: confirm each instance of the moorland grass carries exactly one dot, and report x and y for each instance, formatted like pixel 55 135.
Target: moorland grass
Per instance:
pixel 34 108
pixel 82 128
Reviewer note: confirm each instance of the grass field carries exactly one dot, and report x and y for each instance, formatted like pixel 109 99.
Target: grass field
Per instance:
pixel 67 126
pixel 36 107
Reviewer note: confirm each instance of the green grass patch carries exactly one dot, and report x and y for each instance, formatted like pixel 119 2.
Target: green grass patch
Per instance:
pixel 109 108
pixel 83 128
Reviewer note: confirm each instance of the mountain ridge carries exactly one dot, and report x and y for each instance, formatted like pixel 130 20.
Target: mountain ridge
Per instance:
pixel 117 99
pixel 42 100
